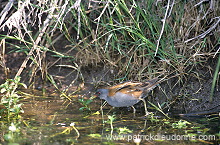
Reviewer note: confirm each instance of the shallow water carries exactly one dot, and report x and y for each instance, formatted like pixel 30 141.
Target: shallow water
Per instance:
pixel 47 121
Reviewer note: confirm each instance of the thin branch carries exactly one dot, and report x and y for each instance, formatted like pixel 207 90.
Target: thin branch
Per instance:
pixel 206 32
pixel 99 17
pixel 161 33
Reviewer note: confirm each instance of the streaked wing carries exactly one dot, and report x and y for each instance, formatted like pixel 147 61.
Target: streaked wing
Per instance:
pixel 124 87
pixel 133 88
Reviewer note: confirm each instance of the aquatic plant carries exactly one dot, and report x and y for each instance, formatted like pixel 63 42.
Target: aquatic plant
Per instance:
pixel 10 99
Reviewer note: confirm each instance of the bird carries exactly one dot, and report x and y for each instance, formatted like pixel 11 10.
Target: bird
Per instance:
pixel 128 93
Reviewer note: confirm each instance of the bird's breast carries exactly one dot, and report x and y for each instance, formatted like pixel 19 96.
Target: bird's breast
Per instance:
pixel 122 100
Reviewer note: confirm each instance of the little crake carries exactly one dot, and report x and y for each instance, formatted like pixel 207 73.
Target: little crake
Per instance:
pixel 128 93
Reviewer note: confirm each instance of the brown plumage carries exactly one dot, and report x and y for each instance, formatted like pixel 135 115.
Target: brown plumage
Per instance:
pixel 128 93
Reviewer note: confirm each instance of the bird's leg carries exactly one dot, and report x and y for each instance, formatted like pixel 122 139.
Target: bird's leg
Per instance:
pixel 102 106
pixel 145 106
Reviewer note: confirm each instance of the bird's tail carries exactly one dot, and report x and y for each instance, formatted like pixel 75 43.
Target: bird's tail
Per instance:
pixel 149 85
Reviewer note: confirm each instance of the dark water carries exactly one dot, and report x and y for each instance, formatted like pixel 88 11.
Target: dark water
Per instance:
pixel 56 120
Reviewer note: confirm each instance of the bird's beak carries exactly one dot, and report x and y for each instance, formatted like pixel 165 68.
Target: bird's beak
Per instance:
pixel 95 95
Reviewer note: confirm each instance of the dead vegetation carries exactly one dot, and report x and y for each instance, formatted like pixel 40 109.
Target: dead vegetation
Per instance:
pixel 130 40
